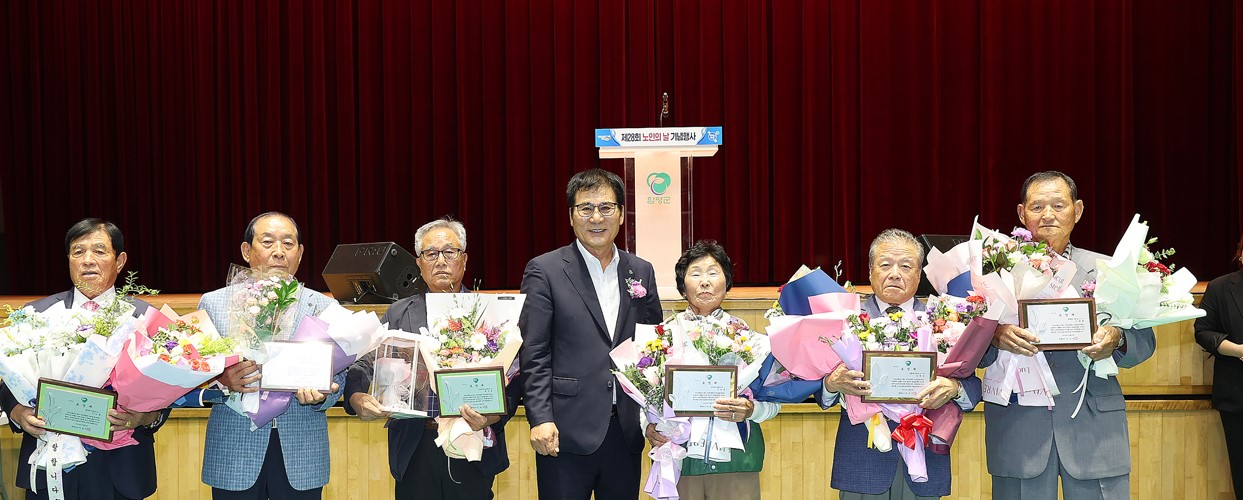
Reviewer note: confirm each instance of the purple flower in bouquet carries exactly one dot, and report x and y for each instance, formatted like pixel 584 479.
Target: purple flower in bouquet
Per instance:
pixel 644 362
pixel 1021 233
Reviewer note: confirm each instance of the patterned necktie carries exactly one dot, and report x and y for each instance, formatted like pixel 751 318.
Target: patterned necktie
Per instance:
pixel 893 309
pixel 91 306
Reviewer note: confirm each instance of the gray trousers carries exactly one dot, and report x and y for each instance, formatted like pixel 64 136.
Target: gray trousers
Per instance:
pixel 1044 486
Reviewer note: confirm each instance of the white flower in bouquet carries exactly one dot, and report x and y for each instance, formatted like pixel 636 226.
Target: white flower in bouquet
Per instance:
pixel 652 374
pixel 723 341
pixel 478 340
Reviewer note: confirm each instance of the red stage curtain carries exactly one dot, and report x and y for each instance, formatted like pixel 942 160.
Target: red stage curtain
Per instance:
pixel 364 119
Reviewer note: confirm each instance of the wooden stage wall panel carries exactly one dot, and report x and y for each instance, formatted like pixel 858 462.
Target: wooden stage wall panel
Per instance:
pixel 1175 453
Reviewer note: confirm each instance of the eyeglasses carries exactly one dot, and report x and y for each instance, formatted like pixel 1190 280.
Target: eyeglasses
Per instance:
pixel 585 210
pixel 450 254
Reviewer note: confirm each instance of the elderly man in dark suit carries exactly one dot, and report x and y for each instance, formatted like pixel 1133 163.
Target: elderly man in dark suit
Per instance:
pixel 419 466
pixel 1030 447
pixel 861 472
pixel 583 300
pixel 96 251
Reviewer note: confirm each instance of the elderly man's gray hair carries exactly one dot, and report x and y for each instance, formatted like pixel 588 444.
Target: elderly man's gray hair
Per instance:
pixel 894 235
pixel 445 222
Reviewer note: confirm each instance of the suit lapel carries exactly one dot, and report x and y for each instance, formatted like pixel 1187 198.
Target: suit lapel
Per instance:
pixel 625 301
pixel 871 306
pixel 576 272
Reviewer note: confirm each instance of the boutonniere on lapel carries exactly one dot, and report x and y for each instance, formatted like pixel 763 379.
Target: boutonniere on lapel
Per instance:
pixel 635 286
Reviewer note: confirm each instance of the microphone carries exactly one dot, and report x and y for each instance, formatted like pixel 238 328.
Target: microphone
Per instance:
pixel 664 107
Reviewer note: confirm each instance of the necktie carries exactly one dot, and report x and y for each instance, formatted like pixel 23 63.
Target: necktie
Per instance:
pixel 91 306
pixel 893 309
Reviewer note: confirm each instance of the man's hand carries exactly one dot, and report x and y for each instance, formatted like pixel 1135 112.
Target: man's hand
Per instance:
pixel 237 377
pixel 1104 341
pixel 308 396
pixel 367 407
pixel 123 420
pixel 654 437
pixel 847 382
pixel 26 419
pixel 938 392
pixel 1016 340
pixel 545 439
pixel 476 420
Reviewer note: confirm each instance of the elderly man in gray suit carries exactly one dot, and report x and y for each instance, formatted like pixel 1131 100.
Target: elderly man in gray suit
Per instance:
pixel 1030 447
pixel 286 458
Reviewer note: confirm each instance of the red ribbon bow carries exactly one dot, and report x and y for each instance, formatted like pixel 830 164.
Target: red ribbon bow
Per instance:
pixel 912 425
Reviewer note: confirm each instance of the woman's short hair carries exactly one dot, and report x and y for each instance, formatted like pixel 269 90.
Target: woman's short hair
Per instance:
pixel 703 248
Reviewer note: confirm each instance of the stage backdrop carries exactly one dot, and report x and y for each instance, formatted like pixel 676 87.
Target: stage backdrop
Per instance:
pixel 180 120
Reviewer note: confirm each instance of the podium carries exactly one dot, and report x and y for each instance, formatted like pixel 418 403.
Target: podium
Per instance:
pixel 659 195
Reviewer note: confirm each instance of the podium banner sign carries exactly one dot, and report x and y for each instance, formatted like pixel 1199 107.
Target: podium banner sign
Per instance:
pixel 658 137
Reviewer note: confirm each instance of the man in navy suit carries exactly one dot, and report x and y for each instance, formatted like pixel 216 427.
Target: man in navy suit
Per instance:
pixel 96 251
pixel 419 466
pixel 861 472
pixel 583 300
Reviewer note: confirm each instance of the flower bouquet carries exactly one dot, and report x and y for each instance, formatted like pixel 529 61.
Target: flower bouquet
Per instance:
pixel 262 307
pixel 891 332
pixel 469 330
pixel 71 346
pixel 1134 289
pixel 962 329
pixel 720 339
pixel 1014 268
pixel 640 370
pixel 171 356
pixel 815 312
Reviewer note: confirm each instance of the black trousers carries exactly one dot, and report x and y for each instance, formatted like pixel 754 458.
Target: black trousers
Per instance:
pixel 89 481
pixel 432 475
pixel 1232 424
pixel 272 482
pixel 612 472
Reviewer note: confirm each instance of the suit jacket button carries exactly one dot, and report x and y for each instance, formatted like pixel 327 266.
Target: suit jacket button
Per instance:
pixel 610 384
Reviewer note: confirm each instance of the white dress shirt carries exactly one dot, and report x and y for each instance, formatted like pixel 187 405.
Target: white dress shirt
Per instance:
pixel 103 299
pixel 608 291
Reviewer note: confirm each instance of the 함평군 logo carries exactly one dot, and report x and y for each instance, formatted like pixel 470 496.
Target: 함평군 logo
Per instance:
pixel 659 182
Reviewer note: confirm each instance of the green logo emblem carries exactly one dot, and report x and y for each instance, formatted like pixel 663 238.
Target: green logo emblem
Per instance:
pixel 908 363
pixel 476 380
pixel 659 182
pixel 1065 309
pixel 84 400
pixel 709 376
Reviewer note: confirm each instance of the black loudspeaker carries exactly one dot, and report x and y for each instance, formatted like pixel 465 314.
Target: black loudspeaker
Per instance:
pixel 942 242
pixel 372 273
